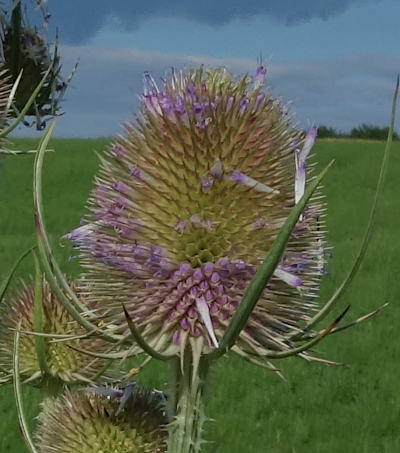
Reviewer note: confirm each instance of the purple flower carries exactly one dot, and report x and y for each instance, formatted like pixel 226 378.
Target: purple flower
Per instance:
pixel 222 184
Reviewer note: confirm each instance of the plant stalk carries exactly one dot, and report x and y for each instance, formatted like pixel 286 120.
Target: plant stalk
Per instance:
pixel 186 405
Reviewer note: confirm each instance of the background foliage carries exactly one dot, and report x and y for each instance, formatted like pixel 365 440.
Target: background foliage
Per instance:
pixel 355 407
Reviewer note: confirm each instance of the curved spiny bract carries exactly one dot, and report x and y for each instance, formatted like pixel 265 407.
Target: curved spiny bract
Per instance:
pixel 185 208
pixel 5 92
pixel 89 423
pixel 62 362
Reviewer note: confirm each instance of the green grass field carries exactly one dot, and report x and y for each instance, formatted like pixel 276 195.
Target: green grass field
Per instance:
pixel 352 408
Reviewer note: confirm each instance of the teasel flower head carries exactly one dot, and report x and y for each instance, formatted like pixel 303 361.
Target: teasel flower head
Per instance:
pixel 25 47
pixel 186 207
pixel 88 422
pixel 62 362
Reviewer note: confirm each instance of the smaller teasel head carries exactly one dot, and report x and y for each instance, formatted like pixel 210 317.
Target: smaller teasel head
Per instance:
pixel 93 422
pixel 25 48
pixel 186 208
pixel 62 362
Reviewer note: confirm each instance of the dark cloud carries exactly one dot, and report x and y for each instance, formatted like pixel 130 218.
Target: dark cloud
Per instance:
pixel 78 20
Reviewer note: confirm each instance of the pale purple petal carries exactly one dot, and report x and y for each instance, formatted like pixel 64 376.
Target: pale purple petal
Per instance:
pixel 121 187
pixel 118 151
pixel 204 312
pixel 260 76
pixel 180 226
pixel 206 183
pixel 81 232
pixel 300 180
pixel 241 178
pixel 300 161
pixel 287 277
pixel 216 170
pixel 308 144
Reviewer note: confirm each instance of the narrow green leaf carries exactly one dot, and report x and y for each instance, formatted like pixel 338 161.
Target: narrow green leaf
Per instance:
pixel 142 342
pixel 18 396
pixel 103 355
pixel 264 273
pixel 354 322
pixel 48 263
pixel 56 337
pixel 6 282
pixel 16 152
pixel 39 222
pixel 40 344
pixel 309 344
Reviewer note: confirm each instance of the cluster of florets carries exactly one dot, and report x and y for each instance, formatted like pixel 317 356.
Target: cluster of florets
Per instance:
pixel 186 207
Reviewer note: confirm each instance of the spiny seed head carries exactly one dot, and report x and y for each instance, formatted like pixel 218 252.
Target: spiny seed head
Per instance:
pixel 91 423
pixel 62 361
pixel 24 48
pixel 186 207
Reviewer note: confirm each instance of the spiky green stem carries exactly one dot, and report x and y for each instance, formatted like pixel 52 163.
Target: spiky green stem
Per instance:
pixel 186 405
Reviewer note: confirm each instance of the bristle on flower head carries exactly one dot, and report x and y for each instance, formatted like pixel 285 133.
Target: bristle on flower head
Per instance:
pixel 186 207
pixel 91 423
pixel 63 363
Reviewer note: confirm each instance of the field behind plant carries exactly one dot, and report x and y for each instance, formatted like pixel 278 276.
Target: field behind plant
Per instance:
pixel 352 408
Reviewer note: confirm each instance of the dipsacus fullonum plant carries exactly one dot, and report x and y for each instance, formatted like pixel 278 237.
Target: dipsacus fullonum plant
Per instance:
pixel 204 234
pixel 185 209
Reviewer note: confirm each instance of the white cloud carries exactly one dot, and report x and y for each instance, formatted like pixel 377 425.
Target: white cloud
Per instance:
pixel 341 93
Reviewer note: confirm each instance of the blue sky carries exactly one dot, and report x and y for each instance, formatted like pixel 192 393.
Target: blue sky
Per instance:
pixel 334 61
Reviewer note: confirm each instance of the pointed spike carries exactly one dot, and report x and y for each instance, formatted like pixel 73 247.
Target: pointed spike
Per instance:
pixel 204 311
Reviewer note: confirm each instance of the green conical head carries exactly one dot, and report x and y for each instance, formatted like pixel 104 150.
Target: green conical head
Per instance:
pixel 62 361
pixel 83 422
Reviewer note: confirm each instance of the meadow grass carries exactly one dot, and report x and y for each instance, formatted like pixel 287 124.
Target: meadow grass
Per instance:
pixel 354 407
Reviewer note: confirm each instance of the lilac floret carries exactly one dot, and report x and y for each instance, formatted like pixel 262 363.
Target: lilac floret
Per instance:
pixel 118 151
pixel 135 172
pixel 260 76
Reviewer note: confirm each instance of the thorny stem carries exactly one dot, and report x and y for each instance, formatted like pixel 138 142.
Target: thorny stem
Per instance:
pixel 186 405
